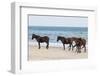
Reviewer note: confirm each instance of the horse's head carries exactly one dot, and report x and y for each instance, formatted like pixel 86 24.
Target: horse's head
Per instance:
pixel 59 38
pixel 33 36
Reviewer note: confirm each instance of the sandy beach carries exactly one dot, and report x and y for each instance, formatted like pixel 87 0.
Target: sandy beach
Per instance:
pixel 54 53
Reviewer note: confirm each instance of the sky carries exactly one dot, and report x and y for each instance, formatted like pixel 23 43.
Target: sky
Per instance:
pixel 58 21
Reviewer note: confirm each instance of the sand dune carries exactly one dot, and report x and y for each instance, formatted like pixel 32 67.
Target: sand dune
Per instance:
pixel 54 53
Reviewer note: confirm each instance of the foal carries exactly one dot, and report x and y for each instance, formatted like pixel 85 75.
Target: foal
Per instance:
pixel 40 39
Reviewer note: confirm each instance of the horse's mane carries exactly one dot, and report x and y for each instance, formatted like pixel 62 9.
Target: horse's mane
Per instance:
pixel 61 36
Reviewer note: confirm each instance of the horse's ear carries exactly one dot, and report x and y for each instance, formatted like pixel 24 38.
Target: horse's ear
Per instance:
pixel 59 36
pixel 33 34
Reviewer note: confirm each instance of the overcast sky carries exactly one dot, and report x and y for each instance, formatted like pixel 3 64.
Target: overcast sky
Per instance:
pixel 58 21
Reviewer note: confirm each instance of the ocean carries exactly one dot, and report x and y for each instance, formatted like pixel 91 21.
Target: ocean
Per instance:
pixel 52 32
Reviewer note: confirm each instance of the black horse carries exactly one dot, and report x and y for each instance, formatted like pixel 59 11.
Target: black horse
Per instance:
pixel 65 41
pixel 41 40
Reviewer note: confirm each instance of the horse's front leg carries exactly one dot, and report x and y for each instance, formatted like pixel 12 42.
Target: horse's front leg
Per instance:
pixel 73 47
pixel 84 48
pixel 79 49
pixel 64 46
pixel 69 47
pixel 39 45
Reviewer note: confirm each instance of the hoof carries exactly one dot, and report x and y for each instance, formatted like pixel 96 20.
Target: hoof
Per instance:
pixel 78 51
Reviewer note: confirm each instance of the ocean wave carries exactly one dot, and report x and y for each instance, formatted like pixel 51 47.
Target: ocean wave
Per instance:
pixel 67 32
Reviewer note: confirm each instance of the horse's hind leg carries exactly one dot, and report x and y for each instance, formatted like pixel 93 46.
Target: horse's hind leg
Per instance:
pixel 84 48
pixel 64 46
pixel 76 48
pixel 47 45
pixel 39 45
pixel 72 47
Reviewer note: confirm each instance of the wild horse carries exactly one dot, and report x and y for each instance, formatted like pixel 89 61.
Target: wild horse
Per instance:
pixel 80 42
pixel 40 39
pixel 65 41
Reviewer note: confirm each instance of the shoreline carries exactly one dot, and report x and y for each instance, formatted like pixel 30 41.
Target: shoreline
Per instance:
pixel 54 53
pixel 59 44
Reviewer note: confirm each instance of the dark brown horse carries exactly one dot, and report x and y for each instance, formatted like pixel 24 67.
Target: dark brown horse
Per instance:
pixel 65 41
pixel 80 43
pixel 41 40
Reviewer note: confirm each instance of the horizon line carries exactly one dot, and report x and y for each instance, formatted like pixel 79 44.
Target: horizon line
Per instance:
pixel 56 26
